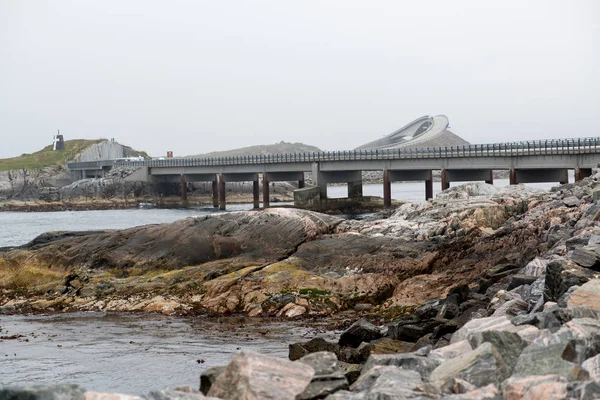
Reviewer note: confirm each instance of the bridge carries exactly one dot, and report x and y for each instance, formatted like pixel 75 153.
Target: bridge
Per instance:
pixel 526 161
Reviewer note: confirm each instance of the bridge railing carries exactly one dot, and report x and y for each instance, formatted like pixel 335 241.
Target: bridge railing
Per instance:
pixel 510 149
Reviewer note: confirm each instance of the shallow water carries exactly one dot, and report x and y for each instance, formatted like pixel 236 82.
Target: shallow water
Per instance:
pixel 133 353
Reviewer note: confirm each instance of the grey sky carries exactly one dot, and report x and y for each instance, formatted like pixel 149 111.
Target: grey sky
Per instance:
pixel 197 76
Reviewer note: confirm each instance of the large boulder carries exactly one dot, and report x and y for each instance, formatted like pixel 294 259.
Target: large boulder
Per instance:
pixel 360 331
pixel 587 295
pixel 387 382
pixel 509 344
pixel 328 377
pixel 553 355
pixel 481 325
pixel 444 353
pixel 480 367
pixel 253 376
pixel 300 349
pixel 408 361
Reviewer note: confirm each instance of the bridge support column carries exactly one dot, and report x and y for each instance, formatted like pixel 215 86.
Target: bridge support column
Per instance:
pixel 215 194
pixel 319 180
pixel 429 187
pixel 491 180
pixel 256 192
pixel 566 178
pixel 301 182
pixel 222 199
pixel 265 190
pixel 445 182
pixel 183 189
pixel 581 173
pixel 387 189
pixel 512 177
pixel 355 189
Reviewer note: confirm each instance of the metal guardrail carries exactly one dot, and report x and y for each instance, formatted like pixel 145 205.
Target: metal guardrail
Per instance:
pixel 91 164
pixel 511 149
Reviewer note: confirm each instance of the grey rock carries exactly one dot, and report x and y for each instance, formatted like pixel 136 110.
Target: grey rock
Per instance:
pixel 386 382
pixel 480 367
pixel 347 395
pixel 360 331
pixel 536 267
pixel 587 337
pixel 407 361
pixel 300 349
pixel 55 392
pixel 251 375
pixel 541 320
pixel 564 299
pixel 482 324
pixel 520 279
pixel 587 257
pixel 351 371
pixel 594 240
pixel 585 390
pixel 572 201
pixel 328 377
pixel 559 278
pixel 448 352
pixel 509 344
pixel 209 376
pixel 592 366
pixel 412 332
pixel 511 308
pixel 553 355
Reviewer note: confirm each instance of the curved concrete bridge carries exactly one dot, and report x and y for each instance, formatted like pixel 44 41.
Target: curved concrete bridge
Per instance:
pixel 531 161
pixel 426 131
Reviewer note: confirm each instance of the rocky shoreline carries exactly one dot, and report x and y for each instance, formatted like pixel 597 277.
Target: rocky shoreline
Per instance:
pixel 483 293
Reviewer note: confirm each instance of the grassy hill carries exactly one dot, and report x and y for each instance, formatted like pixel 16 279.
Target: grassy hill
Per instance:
pixel 47 157
pixel 277 148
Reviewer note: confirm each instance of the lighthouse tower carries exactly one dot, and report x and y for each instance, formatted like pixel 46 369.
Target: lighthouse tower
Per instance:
pixel 59 143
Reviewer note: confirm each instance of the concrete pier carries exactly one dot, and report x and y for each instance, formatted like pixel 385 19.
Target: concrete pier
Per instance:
pixel 512 177
pixel 215 193
pixel 256 192
pixel 445 181
pixel 491 180
pixel 266 200
pixel 429 186
pixel 222 194
pixel 581 173
pixel 355 189
pixel 183 189
pixel 387 189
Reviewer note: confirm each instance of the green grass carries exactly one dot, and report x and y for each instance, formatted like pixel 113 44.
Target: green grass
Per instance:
pixel 47 157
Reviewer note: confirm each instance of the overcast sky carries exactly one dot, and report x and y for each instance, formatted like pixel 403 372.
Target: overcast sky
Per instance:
pixel 197 76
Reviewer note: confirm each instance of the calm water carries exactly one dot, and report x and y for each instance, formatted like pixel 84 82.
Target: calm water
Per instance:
pixel 133 353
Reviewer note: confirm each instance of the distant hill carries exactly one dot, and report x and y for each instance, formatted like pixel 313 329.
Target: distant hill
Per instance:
pixel 267 149
pixel 47 157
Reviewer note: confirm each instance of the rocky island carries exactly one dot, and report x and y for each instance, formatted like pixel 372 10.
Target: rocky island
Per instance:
pixel 482 293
